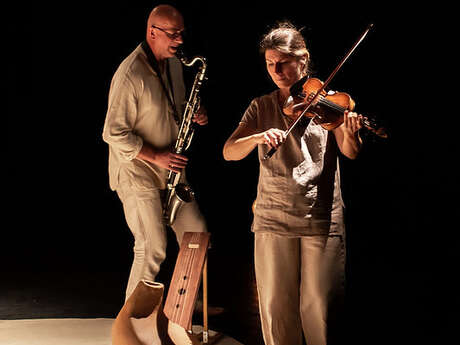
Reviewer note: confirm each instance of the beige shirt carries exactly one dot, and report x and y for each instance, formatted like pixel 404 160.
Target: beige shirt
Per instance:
pixel 299 186
pixel 138 112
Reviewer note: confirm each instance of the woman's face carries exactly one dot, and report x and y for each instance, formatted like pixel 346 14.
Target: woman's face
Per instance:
pixel 284 69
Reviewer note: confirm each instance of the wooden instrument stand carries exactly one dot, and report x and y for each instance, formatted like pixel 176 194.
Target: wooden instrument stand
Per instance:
pixel 191 265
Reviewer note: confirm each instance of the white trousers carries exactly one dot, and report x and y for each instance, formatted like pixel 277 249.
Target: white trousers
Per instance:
pixel 299 282
pixel 143 212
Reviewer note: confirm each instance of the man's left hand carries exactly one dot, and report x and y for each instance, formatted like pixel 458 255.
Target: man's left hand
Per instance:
pixel 200 117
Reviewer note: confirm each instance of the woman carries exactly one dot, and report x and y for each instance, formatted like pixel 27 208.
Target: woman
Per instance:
pixel 298 218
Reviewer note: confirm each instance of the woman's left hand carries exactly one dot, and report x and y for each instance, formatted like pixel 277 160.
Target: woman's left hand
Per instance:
pixel 347 134
pixel 352 121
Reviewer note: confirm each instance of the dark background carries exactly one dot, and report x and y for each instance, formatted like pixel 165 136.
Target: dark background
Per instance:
pixel 64 236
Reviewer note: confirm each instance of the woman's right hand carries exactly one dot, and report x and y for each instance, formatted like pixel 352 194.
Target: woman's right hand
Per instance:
pixel 272 137
pixel 244 139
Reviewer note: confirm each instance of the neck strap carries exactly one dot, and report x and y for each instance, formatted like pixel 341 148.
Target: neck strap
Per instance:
pixel 154 64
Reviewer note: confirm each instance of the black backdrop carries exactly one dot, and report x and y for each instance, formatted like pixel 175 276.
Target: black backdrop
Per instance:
pixel 61 215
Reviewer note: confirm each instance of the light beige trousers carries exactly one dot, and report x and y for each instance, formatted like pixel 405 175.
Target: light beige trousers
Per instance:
pixel 143 213
pixel 300 281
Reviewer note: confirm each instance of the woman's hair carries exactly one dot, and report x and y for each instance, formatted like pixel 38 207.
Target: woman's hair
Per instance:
pixel 287 39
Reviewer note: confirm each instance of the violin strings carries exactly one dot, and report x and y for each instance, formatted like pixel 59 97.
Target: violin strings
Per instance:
pixel 332 105
pixel 367 122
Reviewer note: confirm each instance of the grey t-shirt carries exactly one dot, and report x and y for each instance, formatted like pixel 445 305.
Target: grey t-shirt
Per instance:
pixel 299 186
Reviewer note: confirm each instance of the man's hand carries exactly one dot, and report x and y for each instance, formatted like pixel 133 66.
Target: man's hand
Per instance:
pixel 164 159
pixel 170 161
pixel 200 116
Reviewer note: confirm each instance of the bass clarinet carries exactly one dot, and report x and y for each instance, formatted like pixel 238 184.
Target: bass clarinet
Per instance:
pixel 179 193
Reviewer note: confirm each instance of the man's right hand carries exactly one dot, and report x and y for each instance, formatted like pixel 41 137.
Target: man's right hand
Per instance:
pixel 164 159
pixel 171 161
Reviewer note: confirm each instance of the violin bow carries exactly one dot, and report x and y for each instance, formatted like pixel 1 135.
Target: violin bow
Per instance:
pixel 328 80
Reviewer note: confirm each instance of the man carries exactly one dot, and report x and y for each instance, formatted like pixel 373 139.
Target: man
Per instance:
pixel 145 103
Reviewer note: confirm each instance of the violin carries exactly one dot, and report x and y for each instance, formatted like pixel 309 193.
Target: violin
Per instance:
pixel 329 107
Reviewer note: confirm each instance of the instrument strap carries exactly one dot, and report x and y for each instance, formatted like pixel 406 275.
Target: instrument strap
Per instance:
pixel 154 64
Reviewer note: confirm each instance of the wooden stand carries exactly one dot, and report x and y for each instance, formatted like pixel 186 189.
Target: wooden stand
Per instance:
pixel 191 265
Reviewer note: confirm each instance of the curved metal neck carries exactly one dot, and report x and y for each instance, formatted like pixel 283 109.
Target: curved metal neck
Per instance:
pixel 190 62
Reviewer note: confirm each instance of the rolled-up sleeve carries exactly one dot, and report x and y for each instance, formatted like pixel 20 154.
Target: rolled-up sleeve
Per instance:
pixel 249 118
pixel 121 118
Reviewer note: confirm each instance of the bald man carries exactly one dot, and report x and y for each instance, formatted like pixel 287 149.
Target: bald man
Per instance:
pixel 145 105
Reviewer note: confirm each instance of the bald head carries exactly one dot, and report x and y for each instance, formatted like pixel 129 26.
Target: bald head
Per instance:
pixel 163 13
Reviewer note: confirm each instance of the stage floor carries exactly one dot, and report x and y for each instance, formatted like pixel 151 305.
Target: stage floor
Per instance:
pixel 56 332
pixel 93 294
pixel 85 297
pixel 67 332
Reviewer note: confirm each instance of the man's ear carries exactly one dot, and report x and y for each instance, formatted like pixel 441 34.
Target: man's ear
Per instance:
pixel 151 32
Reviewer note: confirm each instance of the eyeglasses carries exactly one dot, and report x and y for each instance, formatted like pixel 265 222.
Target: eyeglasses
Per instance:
pixel 171 36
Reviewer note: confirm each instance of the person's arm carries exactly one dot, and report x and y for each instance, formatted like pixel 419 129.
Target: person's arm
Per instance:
pixel 120 119
pixel 119 132
pixel 244 139
pixel 347 135
pixel 167 159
